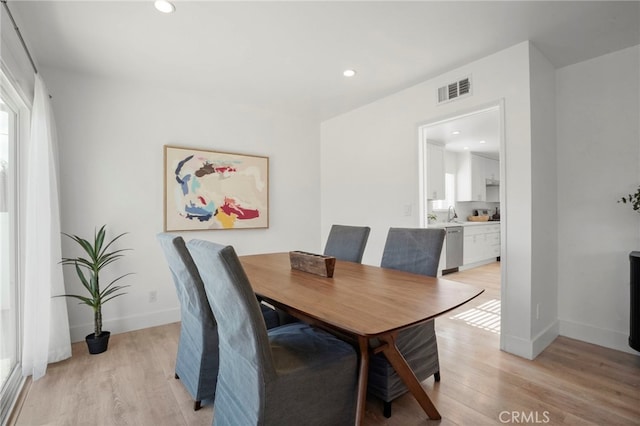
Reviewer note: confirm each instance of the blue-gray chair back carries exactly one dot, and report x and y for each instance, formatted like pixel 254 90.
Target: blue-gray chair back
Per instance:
pixel 415 250
pixel 197 359
pixel 293 375
pixel 347 242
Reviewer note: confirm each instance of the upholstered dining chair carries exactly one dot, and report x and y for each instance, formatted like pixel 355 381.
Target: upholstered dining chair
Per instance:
pixel 417 251
pixel 344 243
pixel 197 359
pixel 347 242
pixel 292 375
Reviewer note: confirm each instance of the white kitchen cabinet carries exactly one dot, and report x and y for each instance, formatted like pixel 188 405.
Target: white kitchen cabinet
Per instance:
pixel 481 243
pixel 435 172
pixel 470 178
pixel 474 243
pixel 492 176
pixel 491 169
pixel 492 240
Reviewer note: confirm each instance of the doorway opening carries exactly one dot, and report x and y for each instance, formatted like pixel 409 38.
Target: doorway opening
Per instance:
pixel 462 187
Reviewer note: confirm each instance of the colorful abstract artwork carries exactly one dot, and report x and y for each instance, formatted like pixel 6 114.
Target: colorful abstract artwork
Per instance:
pixel 215 190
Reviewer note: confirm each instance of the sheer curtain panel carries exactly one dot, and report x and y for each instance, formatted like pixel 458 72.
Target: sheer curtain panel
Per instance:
pixel 46 323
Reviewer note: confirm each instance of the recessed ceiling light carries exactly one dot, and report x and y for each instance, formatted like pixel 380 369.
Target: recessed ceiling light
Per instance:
pixel 349 73
pixel 455 132
pixel 466 147
pixel 483 141
pixel 164 6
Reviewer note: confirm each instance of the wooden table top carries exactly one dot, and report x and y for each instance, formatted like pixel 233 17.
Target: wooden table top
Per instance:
pixel 361 299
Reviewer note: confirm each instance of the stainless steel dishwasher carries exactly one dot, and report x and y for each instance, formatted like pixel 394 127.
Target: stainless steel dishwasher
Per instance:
pixel 455 240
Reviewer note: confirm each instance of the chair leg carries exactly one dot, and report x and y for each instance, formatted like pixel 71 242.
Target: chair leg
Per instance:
pixel 175 375
pixel 196 405
pixel 386 410
pixel 436 376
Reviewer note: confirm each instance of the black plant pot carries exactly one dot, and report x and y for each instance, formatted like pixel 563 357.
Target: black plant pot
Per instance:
pixel 99 344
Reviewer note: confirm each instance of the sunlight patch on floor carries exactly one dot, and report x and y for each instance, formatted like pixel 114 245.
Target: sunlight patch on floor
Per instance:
pixel 485 316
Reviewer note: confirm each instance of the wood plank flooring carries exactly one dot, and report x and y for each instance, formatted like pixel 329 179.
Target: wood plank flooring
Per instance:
pixel 570 383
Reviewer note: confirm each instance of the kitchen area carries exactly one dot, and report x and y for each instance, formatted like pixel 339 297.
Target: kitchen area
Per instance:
pixel 461 187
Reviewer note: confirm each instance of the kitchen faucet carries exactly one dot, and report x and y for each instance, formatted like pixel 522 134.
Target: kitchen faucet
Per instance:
pixel 450 218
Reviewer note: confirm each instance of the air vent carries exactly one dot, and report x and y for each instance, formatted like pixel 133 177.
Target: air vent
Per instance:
pixel 454 90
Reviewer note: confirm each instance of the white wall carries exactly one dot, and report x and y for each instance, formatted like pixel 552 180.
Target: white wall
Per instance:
pixel 544 218
pixel 111 137
pixel 599 161
pixel 369 170
pixel 572 150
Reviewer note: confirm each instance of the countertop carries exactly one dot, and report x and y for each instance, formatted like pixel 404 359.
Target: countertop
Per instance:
pixel 461 223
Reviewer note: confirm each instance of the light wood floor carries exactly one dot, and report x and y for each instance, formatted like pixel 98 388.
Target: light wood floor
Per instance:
pixel 571 382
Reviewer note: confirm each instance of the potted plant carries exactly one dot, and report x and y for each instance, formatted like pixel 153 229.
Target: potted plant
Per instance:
pixel 634 296
pixel 88 269
pixel 633 199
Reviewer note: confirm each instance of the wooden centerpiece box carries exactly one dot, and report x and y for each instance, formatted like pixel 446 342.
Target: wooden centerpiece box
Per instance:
pixel 318 264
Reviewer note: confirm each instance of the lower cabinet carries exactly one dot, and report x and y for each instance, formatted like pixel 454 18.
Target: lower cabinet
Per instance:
pixel 481 243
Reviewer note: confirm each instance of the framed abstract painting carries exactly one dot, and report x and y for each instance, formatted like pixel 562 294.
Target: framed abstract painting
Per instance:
pixel 214 190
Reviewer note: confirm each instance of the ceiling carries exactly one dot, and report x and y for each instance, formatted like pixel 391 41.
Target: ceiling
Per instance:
pixel 477 132
pixel 289 56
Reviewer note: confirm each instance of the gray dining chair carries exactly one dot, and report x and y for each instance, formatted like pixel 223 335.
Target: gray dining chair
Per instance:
pixel 292 375
pixel 347 242
pixel 416 251
pixel 197 358
pixel 344 243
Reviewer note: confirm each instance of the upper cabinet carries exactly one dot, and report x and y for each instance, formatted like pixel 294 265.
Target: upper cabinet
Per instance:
pixel 471 179
pixel 470 147
pixel 492 171
pixel 435 172
pixel 492 176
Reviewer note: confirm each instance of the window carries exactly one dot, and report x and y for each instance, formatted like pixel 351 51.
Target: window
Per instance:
pixel 449 194
pixel 11 119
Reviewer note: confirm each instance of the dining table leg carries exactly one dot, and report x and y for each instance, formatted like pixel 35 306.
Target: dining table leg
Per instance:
pixel 407 375
pixel 363 375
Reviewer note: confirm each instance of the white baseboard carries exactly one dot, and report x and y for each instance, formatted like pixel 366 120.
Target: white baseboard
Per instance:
pixel 529 349
pixel 121 325
pixel 544 338
pixel 598 336
pixel 516 345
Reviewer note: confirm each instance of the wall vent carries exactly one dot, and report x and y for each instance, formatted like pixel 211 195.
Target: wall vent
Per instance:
pixel 454 90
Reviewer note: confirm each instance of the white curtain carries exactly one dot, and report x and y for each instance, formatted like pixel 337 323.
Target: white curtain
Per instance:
pixel 46 323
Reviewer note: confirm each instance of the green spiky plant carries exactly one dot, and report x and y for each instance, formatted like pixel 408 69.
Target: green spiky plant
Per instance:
pixel 633 199
pixel 88 269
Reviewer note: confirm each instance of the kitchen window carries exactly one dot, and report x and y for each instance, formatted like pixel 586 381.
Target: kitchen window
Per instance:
pixel 449 194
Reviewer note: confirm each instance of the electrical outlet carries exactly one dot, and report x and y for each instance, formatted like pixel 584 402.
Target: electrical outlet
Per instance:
pixel 153 296
pixel 407 210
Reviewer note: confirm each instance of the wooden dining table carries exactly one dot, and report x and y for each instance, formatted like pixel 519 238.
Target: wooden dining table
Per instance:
pixel 360 302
